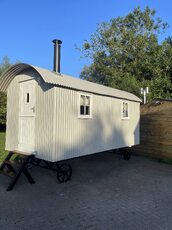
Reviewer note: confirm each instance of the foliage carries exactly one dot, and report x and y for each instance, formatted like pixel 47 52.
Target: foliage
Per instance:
pixel 2 109
pixel 5 64
pixel 2 146
pixel 125 54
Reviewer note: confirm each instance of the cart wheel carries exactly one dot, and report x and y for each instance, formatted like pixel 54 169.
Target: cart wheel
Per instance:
pixel 64 173
pixel 126 153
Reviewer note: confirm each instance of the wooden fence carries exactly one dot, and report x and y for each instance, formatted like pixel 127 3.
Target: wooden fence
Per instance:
pixel 156 130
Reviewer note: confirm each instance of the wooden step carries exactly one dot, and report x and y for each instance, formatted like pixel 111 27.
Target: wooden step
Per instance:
pixel 14 169
pixel 13 163
pixel 9 174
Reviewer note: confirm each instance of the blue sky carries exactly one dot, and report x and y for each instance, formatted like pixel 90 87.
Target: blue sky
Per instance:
pixel 29 26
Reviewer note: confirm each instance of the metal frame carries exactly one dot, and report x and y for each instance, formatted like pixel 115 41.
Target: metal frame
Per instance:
pixel 64 171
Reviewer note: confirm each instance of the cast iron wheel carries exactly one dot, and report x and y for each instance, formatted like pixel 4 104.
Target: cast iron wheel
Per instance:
pixel 126 154
pixel 64 173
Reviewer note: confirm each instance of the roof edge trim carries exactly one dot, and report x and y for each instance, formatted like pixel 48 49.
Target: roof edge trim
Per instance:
pixel 11 72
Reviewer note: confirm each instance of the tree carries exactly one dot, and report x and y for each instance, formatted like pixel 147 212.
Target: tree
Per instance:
pixel 3 66
pixel 2 110
pixel 125 53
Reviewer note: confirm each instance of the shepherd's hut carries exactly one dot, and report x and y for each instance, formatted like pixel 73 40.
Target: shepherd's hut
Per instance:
pixel 60 117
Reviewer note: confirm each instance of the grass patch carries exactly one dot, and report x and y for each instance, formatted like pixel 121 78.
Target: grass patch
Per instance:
pixel 3 153
pixel 166 161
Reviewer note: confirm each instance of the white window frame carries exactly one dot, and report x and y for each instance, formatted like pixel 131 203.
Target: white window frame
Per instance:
pixel 91 106
pixel 122 117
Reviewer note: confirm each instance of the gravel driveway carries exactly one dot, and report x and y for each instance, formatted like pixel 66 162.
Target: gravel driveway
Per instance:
pixel 105 193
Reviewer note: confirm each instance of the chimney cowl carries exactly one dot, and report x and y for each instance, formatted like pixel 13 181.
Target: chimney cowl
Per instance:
pixel 57 41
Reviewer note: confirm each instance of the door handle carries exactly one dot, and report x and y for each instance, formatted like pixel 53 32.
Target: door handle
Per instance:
pixel 33 109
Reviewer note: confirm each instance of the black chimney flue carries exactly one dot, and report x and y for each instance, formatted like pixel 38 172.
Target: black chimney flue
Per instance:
pixel 57 46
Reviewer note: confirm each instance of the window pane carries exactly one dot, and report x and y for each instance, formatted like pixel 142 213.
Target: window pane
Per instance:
pixel 82 100
pixel 27 98
pixel 87 110
pixel 87 100
pixel 125 109
pixel 81 110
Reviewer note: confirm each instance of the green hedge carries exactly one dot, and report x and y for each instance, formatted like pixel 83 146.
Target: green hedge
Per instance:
pixel 2 146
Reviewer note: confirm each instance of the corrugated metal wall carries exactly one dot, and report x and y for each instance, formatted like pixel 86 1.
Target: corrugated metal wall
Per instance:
pixel 106 130
pixel 44 121
pixel 12 124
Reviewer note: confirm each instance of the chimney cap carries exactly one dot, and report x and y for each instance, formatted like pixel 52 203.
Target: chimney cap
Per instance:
pixel 57 41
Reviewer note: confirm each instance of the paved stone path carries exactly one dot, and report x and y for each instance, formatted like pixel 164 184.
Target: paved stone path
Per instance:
pixel 105 193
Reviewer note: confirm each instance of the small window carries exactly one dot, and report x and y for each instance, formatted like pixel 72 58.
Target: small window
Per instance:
pixel 125 110
pixel 84 106
pixel 27 98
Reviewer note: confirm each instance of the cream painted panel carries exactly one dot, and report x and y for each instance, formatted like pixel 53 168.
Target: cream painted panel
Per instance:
pixel 106 130
pixel 44 121
pixel 27 116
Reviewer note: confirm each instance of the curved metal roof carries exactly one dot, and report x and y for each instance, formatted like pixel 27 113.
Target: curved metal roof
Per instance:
pixel 64 81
